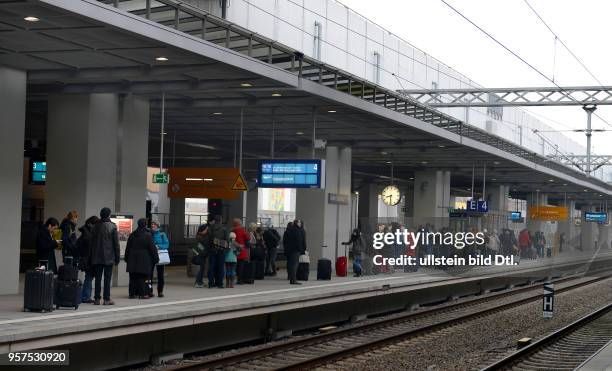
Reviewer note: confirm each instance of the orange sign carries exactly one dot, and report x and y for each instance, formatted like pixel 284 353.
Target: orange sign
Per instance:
pixel 204 183
pixel 549 213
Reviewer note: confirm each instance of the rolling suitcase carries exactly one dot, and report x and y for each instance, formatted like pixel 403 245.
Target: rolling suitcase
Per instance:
pixel 38 290
pixel 260 267
pixel 303 271
pixel 68 294
pixel 341 269
pixel 324 269
pixel 67 272
pixel 248 273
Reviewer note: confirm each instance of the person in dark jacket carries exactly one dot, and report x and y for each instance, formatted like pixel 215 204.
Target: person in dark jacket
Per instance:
pixel 296 246
pixel 69 237
pixel 271 240
pixel 45 244
pixel 83 246
pixel 104 253
pixel 218 237
pixel 287 249
pixel 141 257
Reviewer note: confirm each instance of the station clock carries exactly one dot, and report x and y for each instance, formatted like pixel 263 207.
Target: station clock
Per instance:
pixel 391 195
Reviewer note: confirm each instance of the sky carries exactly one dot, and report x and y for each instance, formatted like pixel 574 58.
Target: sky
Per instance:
pixel 582 25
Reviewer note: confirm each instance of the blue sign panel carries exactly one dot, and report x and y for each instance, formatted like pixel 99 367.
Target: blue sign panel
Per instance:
pixel 38 172
pixel 595 217
pixel 477 206
pixel 515 216
pixel 291 174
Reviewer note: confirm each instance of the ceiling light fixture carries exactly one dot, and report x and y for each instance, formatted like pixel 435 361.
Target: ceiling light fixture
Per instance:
pixel 161 59
pixel 246 85
pixel 299 133
pixel 551 180
pixel 331 111
pixel 194 179
pixel 31 18
pixel 217 113
pixel 424 162
pixel 277 95
pixel 441 146
pixel 383 153
pixel 496 162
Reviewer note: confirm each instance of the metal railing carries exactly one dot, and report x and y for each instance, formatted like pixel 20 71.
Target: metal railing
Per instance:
pixel 199 23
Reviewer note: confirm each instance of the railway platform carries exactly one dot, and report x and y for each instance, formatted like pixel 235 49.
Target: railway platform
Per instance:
pixel 189 319
pixel 601 361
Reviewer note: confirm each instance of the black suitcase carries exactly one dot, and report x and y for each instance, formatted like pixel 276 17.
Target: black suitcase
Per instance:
pixel 247 275
pixel 260 269
pixel 68 294
pixel 38 291
pixel 324 269
pixel 302 271
pixel 67 272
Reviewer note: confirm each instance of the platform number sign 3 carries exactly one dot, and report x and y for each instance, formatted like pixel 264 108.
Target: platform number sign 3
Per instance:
pixel 548 300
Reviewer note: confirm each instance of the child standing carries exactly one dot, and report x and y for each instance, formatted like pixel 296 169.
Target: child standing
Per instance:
pixel 231 260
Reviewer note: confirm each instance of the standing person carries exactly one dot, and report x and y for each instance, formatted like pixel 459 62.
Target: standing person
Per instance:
pixel 358 244
pixel 45 244
pixel 162 244
pixel 231 254
pixel 104 253
pixel 524 242
pixel 242 238
pixel 216 256
pixel 271 239
pixel 296 247
pixel 287 248
pixel 141 257
pixel 69 238
pixel 84 248
pixel 200 254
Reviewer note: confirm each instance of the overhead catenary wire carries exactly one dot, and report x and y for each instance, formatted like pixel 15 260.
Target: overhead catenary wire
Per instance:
pixel 516 55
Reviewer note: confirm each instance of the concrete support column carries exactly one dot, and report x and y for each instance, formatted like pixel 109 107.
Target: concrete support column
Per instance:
pixel 589 231
pixel 327 224
pixel 567 227
pixel 177 220
pixel 368 206
pixel 252 199
pixel 81 154
pixel 604 236
pixel 534 200
pixel 497 198
pixel 12 125
pixel 431 197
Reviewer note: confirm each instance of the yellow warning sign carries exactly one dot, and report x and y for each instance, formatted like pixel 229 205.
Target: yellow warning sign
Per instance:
pixel 239 184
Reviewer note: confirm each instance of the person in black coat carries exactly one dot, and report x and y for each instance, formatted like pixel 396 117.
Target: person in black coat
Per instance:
pixel 83 246
pixel 141 257
pixel 104 253
pixel 69 237
pixel 45 244
pixel 295 245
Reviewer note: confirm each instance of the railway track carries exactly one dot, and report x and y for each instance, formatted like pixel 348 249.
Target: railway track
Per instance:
pixel 321 349
pixel 564 349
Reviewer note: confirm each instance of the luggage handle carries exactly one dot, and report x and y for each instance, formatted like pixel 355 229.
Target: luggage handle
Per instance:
pixel 43 264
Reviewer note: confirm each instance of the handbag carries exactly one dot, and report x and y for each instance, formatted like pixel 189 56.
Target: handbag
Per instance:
pixel 164 257
pixel 304 258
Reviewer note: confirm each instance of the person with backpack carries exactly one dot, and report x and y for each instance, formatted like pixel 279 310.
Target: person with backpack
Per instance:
pixel 358 244
pixel 141 257
pixel 160 239
pixel 271 240
pixel 218 237
pixel 83 246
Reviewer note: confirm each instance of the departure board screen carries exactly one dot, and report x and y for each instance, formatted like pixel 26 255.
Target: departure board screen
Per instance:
pixel 291 174
pixel 595 217
pixel 38 172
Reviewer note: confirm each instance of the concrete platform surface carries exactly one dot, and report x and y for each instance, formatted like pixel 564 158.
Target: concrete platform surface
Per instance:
pixel 185 305
pixel 601 361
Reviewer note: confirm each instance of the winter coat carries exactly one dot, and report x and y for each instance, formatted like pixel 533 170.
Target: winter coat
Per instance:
pixel 69 239
pixel 271 238
pixel 84 247
pixel 160 240
pixel 45 248
pixel 141 253
pixel 296 241
pixel 242 237
pixel 105 243
pixel 218 236
pixel 524 240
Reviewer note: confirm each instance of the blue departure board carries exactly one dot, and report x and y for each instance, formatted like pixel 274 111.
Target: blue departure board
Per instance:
pixel 38 172
pixel 595 217
pixel 291 174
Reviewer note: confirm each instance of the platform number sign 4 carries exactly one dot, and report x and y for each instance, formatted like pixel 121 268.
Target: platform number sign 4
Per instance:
pixel 478 206
pixel 548 300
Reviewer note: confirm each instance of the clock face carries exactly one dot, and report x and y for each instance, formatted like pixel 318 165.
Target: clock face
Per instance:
pixel 391 195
